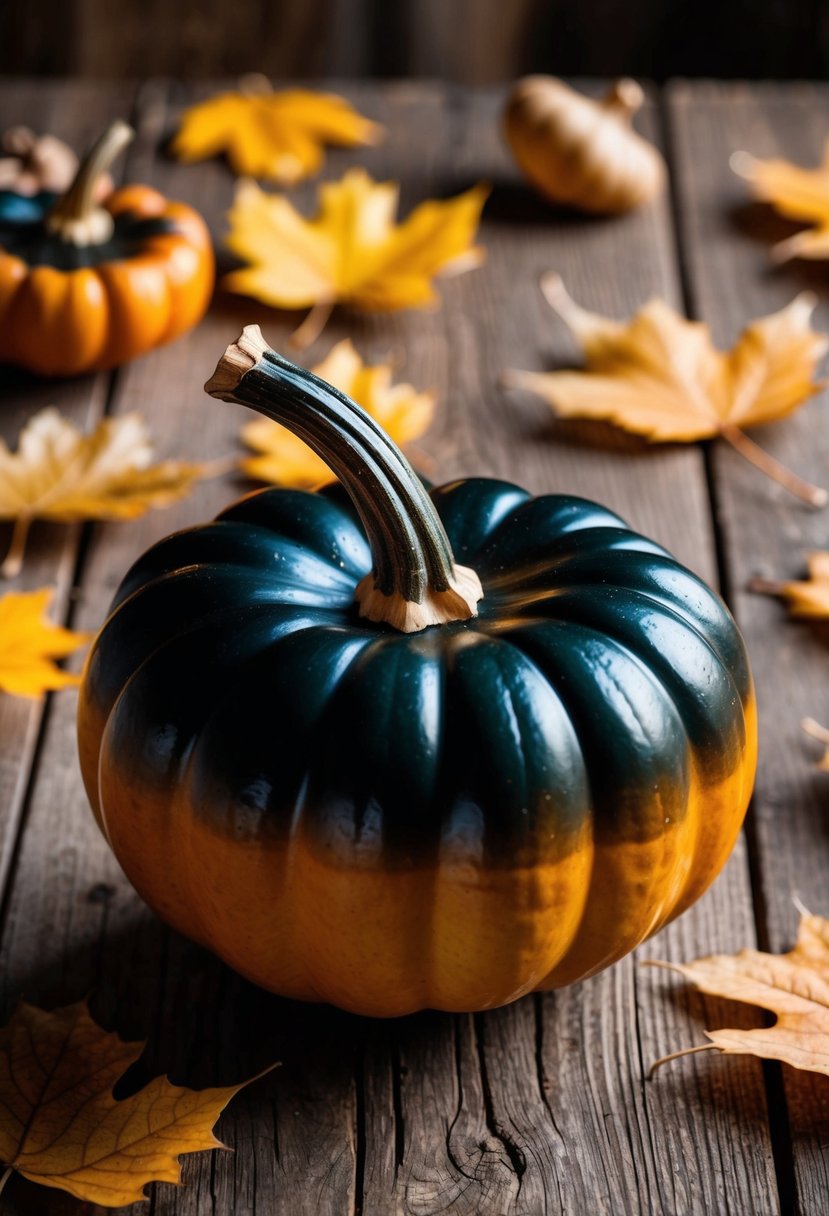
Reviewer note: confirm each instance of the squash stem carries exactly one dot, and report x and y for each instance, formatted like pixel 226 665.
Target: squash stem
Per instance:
pixel 75 218
pixel 13 561
pixel 415 581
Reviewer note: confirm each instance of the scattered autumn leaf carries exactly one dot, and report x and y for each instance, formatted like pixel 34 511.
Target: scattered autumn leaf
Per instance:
pixel 807 597
pixel 660 375
pixel 60 1125
pixel 278 136
pixel 29 644
pixel 283 459
pixel 798 194
pixel 59 473
pixel 352 251
pixel 795 986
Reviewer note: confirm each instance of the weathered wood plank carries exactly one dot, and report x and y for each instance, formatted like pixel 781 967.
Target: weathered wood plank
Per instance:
pixel 538 1107
pixel 77 115
pixel 659 1161
pixel 726 239
pixel 150 982
pixel 63 887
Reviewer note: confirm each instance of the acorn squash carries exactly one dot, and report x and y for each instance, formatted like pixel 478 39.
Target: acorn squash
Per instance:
pixel 391 748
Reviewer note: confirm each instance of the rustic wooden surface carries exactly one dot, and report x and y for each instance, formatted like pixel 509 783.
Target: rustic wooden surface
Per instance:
pixel 465 41
pixel 542 1107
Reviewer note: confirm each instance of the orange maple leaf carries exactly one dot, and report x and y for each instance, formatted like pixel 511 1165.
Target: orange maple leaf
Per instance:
pixel 805 598
pixel 60 1125
pixel 798 194
pixel 60 473
pixel 659 375
pixel 795 986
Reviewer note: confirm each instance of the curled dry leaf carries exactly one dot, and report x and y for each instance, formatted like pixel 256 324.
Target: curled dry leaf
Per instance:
pixel 59 473
pixel 278 136
pixel 30 643
pixel 283 459
pixel 798 194
pixel 795 986
pixel 660 376
pixel 807 597
pixel 352 251
pixel 60 1125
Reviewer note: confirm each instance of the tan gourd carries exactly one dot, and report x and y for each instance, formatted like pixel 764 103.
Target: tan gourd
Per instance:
pixel 582 152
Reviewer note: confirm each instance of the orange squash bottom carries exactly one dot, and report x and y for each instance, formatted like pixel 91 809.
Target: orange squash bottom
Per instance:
pixel 456 937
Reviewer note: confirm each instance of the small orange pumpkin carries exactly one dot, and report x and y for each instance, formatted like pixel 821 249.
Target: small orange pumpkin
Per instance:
pixel 87 286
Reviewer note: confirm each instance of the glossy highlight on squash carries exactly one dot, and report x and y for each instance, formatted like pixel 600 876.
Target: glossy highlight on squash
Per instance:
pixel 448 817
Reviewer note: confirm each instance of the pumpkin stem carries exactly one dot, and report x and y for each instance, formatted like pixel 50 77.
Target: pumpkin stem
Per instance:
pixel 75 218
pixel 414 582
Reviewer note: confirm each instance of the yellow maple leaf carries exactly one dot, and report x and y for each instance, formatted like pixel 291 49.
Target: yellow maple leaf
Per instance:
pixel 352 251
pixel 29 644
pixel 278 136
pixel 59 473
pixel 798 194
pixel 660 376
pixel 284 459
pixel 795 986
pixel 60 1125
pixel 807 597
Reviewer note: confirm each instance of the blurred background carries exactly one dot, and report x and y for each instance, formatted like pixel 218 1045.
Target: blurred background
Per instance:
pixel 468 41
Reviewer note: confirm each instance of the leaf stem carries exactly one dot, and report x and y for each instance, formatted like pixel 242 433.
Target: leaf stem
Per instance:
pixel 221 466
pixel 5 1176
pixel 814 495
pixel 313 325
pixel 13 561
pixel 675 1055
pixel 767 586
pixel 810 727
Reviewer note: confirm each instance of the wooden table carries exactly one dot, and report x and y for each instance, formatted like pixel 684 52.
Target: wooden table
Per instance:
pixel 543 1106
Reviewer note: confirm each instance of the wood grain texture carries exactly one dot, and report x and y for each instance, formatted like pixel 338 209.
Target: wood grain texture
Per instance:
pixel 726 239
pixel 53 549
pixel 541 1107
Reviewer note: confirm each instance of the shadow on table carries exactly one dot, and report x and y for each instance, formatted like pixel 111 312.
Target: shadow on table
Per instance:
pixel 761 223
pixel 204 1024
